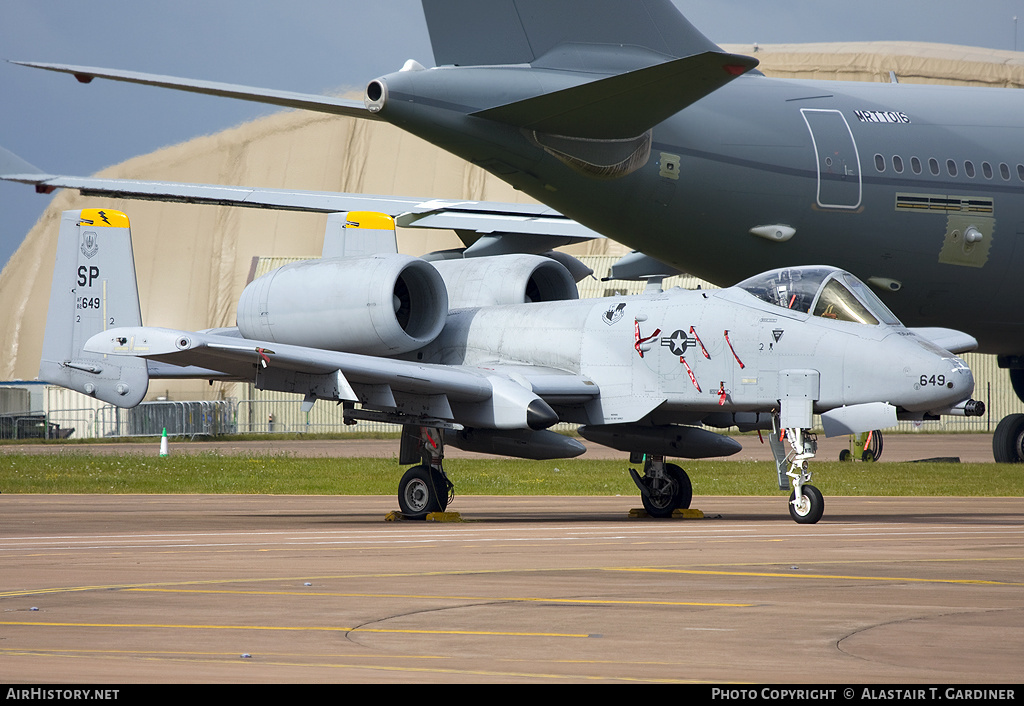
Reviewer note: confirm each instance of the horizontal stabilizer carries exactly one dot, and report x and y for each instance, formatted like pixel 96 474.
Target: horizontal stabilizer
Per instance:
pixel 285 99
pixel 625 105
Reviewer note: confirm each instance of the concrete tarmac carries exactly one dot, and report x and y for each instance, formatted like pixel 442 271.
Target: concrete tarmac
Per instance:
pixel 264 589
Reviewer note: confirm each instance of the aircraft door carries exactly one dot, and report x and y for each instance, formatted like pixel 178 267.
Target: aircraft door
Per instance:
pixel 838 163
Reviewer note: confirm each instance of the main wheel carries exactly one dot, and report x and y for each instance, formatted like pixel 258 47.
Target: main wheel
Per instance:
pixel 810 509
pixel 1008 441
pixel 1017 381
pixel 422 491
pixel 666 494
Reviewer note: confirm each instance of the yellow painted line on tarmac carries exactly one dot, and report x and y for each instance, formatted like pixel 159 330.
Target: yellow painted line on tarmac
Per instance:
pixel 278 660
pixel 289 628
pixel 762 574
pixel 513 599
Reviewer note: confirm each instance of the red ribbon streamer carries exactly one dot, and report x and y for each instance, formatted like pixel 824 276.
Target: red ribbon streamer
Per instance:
pixel 689 372
pixel 701 343
pixel 733 350
pixel 638 341
pixel 264 358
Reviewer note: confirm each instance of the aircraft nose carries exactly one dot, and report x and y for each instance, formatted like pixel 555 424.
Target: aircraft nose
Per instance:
pixel 945 383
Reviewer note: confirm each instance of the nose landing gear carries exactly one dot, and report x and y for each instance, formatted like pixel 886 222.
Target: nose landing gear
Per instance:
pixel 806 503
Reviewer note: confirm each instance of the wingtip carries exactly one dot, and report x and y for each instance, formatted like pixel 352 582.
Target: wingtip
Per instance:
pixel 81 73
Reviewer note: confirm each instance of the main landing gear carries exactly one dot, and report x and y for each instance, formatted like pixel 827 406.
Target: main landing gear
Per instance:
pixel 424 488
pixel 664 487
pixel 1008 441
pixel 806 503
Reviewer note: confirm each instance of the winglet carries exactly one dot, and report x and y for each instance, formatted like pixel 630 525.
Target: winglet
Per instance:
pixel 14 168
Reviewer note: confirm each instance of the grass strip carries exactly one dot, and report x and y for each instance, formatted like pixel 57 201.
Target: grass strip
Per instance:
pixel 287 475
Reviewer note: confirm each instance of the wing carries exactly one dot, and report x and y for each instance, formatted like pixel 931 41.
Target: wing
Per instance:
pixel 492 398
pixel 481 217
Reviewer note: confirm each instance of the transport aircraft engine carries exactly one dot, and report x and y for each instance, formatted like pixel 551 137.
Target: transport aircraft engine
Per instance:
pixel 505 279
pixel 380 305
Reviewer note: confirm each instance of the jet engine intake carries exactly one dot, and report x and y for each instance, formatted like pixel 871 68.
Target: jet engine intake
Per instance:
pixel 505 279
pixel 380 305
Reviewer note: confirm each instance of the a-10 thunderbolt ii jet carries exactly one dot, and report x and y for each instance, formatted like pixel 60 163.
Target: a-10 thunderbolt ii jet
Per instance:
pixel 488 353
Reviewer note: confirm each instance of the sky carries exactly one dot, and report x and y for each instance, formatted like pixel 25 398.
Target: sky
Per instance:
pixel 321 46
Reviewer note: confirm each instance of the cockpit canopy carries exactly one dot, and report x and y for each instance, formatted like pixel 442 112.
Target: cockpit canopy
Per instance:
pixel 827 292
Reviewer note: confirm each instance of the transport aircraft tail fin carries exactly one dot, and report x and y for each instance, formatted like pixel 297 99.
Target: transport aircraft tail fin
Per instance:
pixel 94 289
pixel 474 33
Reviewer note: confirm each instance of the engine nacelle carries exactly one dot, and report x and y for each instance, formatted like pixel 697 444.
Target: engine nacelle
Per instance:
pixel 380 305
pixel 505 279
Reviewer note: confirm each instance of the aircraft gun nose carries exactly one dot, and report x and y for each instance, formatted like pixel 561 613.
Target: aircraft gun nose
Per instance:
pixel 949 384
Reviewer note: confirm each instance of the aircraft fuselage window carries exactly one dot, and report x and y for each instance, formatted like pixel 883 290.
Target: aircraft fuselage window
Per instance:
pixel 970 169
pixel 879 162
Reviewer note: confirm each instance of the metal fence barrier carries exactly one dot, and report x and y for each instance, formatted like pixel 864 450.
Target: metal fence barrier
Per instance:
pixel 190 419
pixel 31 426
pixel 285 416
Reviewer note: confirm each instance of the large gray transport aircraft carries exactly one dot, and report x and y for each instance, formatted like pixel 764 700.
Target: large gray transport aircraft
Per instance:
pixel 626 121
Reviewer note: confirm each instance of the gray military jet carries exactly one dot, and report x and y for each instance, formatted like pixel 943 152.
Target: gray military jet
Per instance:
pixel 626 121
pixel 488 353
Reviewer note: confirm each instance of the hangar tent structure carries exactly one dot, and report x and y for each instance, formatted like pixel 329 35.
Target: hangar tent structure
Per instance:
pixel 193 261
